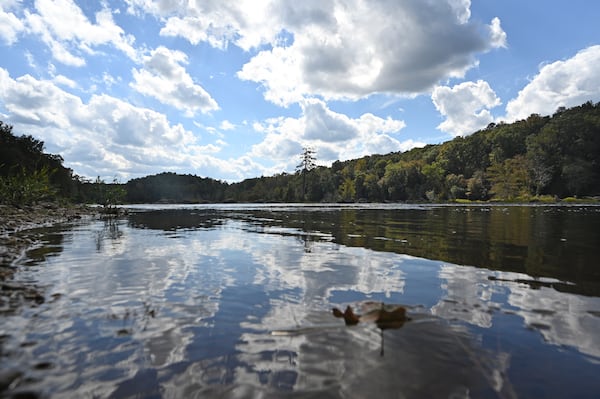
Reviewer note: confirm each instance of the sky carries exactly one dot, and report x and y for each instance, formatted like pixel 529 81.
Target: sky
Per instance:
pixel 234 89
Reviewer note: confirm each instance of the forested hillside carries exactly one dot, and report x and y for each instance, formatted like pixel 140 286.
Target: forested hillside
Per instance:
pixel 540 157
pixel 556 156
pixel 171 187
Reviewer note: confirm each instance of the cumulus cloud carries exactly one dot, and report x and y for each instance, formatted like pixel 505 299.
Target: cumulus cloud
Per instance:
pixel 320 123
pixel 497 34
pixel 36 102
pixel 410 48
pixel 10 24
pixel 70 35
pixel 303 53
pixel 267 67
pixel 244 23
pixel 466 106
pixel 334 136
pixel 64 81
pixel 106 135
pixel 164 78
pixel 197 30
pixel 337 49
pixel 562 83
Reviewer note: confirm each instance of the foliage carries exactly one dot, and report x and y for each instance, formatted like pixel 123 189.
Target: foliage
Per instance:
pixel 25 188
pixel 27 174
pixel 108 195
pixel 509 178
pixel 307 163
pixel 170 187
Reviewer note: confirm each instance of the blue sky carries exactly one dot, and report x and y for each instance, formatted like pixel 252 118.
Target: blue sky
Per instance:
pixel 235 89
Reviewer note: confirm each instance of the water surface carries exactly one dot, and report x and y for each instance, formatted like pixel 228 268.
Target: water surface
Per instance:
pixel 235 301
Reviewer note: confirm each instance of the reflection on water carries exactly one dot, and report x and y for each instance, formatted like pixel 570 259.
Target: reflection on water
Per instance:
pixel 236 302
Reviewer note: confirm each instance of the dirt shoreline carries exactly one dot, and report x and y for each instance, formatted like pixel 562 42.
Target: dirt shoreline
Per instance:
pixel 14 223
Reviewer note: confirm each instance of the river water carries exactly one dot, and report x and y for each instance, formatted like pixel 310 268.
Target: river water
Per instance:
pixel 236 301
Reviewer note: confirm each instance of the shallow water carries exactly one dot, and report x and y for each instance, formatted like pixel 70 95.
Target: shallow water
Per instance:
pixel 235 301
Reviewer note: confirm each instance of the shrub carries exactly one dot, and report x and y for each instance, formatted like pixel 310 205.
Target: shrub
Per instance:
pixel 26 188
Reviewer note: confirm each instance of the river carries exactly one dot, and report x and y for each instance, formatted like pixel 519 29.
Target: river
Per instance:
pixel 236 301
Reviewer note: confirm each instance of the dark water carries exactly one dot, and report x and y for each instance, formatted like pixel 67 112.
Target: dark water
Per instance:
pixel 235 301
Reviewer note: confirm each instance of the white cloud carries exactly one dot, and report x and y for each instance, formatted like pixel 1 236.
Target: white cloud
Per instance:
pixel 165 79
pixel 64 81
pixel 320 123
pixel 497 34
pixel 109 80
pixel 334 136
pixel 246 24
pixel 70 35
pixel 197 30
pixel 412 46
pixel 267 67
pixel 36 102
pixel 10 25
pixel 108 136
pixel 226 125
pixel 462 9
pixel 562 83
pixel 333 48
pixel 466 106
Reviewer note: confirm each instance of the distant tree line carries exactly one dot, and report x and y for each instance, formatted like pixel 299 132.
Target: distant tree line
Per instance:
pixel 170 187
pixel 541 156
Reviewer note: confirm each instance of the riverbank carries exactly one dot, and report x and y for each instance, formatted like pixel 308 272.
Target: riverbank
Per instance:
pixel 14 242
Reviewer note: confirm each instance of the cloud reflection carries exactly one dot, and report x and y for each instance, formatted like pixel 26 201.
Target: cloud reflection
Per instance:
pixel 562 319
pixel 468 295
pixel 190 310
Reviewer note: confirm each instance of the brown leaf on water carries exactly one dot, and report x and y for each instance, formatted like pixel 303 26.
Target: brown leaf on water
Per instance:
pixel 380 315
pixel 349 317
pixel 391 319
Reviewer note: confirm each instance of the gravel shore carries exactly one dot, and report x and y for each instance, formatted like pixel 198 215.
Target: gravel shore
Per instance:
pixel 14 224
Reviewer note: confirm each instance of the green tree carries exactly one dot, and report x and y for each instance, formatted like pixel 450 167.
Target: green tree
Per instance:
pixel 456 186
pixel 478 186
pixel 26 188
pixel 109 195
pixel 579 176
pixel 347 190
pixel 23 161
pixel 510 179
pixel 308 161
pixel 434 177
pixel 404 181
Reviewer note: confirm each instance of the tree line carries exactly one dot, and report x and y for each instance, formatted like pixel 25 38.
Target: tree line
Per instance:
pixel 539 157
pixel 536 158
